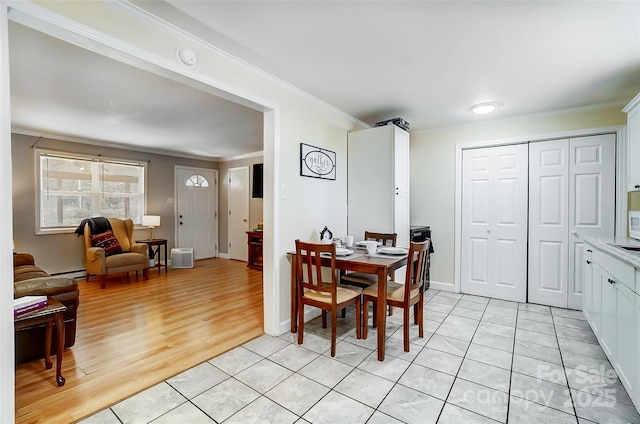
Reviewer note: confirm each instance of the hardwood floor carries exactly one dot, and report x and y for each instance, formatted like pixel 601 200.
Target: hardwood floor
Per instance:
pixel 133 335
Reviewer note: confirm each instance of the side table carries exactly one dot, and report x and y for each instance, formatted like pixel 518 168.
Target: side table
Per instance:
pixel 52 313
pixel 159 244
pixel 254 243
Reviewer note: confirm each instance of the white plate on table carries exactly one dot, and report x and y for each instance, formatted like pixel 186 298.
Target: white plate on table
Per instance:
pixel 393 251
pixel 364 243
pixel 340 251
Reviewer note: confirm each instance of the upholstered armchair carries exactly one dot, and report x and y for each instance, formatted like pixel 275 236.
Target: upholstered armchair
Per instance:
pixel 116 252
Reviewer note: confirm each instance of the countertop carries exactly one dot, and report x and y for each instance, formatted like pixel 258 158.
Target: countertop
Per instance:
pixel 605 245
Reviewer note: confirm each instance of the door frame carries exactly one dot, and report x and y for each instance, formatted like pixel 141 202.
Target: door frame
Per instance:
pixel 248 186
pixel 621 195
pixel 49 22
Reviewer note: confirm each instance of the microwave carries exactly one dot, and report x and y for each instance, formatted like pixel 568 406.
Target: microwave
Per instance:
pixel 634 224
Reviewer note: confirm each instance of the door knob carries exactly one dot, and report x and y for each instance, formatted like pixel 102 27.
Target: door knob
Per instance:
pixel 180 222
pixel 244 220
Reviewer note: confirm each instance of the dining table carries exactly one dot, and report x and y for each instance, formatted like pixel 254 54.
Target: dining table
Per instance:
pixel 378 264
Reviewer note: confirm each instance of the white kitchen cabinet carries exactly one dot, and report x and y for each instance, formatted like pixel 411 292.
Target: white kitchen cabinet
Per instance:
pixel 617 323
pixel 596 301
pixel 378 182
pixel 626 356
pixel 633 133
pixel 636 398
pixel 589 273
pixel 608 318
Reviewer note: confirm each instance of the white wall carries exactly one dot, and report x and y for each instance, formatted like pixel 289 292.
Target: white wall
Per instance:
pixel 433 169
pixel 299 118
pixel 7 374
pixel 58 253
pixel 290 118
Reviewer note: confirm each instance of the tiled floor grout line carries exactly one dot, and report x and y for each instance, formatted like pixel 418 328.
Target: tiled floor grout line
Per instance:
pixel 564 369
pixel 456 376
pixel 420 348
pixel 508 393
pixel 463 358
pixel 513 354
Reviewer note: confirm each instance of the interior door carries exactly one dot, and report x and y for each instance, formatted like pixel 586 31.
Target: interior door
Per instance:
pixel 197 210
pixel 494 222
pixel 238 212
pixel 548 222
pixel 591 202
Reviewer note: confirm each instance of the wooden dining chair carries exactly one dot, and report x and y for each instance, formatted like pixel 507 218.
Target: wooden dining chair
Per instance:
pixel 360 279
pixel 326 294
pixel 404 294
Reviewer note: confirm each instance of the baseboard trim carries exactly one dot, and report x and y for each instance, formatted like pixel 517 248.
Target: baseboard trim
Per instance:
pixel 80 273
pixel 442 286
pixel 285 326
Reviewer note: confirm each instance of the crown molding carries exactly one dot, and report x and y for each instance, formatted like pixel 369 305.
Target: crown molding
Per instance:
pixel 488 122
pixel 110 145
pixel 240 157
pixel 158 23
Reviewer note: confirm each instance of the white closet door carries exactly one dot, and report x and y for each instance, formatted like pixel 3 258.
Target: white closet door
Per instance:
pixel 494 222
pixel 571 195
pixel 548 222
pixel 591 202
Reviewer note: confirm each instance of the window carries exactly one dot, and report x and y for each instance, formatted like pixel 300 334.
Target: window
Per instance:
pixel 197 180
pixel 72 188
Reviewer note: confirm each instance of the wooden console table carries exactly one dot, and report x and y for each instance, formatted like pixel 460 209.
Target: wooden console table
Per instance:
pixel 54 312
pixel 159 244
pixel 254 243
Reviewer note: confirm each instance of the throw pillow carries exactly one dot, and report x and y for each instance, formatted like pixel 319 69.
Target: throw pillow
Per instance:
pixel 107 241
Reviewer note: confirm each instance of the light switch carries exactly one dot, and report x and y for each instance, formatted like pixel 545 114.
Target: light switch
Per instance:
pixel 284 191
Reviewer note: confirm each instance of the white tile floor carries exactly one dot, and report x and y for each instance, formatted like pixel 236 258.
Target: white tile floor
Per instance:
pixel 481 361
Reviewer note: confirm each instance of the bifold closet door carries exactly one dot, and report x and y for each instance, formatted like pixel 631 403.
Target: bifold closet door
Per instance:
pixel 571 195
pixel 494 222
pixel 592 200
pixel 548 222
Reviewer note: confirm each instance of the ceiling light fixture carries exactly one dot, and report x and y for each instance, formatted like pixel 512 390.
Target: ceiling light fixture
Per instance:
pixel 484 108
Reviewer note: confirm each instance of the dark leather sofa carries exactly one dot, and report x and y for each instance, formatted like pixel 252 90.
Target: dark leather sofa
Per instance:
pixel 29 279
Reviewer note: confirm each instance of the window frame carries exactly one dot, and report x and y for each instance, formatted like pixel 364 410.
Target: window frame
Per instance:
pixel 95 193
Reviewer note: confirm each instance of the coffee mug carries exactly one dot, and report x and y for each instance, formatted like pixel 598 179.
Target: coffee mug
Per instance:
pixel 348 241
pixel 372 246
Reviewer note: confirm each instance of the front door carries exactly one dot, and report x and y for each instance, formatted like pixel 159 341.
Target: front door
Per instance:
pixel 197 210
pixel 494 222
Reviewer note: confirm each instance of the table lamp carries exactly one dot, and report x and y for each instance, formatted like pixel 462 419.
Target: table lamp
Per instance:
pixel 151 221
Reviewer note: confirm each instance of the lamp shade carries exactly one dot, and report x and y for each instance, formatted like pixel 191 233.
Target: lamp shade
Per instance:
pixel 151 220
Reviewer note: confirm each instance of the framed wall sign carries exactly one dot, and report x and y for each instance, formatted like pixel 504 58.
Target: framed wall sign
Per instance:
pixel 317 162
